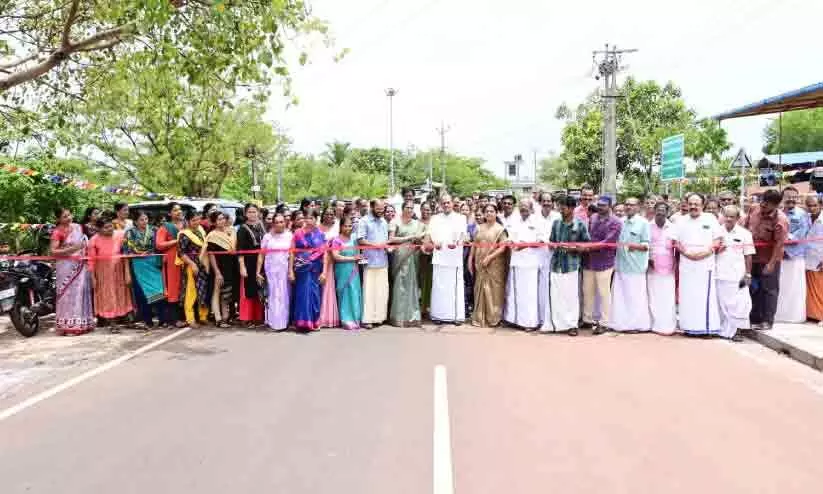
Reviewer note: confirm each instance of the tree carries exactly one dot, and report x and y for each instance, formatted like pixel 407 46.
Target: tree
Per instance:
pixel 647 113
pixel 169 135
pixel 802 131
pixel 554 170
pixel 337 153
pixel 53 42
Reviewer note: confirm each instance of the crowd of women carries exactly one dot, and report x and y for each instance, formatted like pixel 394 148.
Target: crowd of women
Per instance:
pixel 302 270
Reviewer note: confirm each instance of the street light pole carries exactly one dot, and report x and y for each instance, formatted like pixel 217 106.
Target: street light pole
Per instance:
pixel 391 93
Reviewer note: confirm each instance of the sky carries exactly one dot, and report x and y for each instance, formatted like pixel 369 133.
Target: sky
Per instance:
pixel 495 72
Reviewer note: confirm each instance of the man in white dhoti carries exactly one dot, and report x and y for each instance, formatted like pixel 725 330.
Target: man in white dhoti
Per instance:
pixel 630 299
pixel 660 277
pixel 734 275
pixel 564 290
pixel 546 219
pixel 698 236
pixel 521 287
pixel 447 231
pixel 791 301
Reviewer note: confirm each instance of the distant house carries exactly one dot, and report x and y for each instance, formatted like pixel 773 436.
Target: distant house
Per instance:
pixel 521 175
pixel 802 170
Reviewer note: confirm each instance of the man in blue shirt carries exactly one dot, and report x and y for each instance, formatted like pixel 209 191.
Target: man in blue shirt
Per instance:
pixel 791 301
pixel 373 232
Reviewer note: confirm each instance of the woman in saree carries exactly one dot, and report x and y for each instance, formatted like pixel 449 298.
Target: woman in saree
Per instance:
pixel 347 272
pixel 249 236
pixel 425 269
pixel 146 272
pixel 196 296
pixel 488 264
pixel 329 315
pixel 406 233
pixel 307 269
pixel 121 220
pixel 110 274
pixel 275 264
pixel 222 267
pixel 74 311
pixel 166 243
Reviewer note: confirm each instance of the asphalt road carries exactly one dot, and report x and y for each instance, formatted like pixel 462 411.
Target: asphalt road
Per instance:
pixel 337 412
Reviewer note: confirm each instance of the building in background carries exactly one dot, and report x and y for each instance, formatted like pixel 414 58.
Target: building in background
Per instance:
pixel 521 176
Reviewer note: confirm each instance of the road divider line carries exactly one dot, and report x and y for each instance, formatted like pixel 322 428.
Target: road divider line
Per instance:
pixel 442 454
pixel 30 402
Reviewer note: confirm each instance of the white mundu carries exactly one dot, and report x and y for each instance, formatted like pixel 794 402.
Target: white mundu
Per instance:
pixel 521 287
pixel 698 292
pixel 734 300
pixel 447 300
pixel 544 307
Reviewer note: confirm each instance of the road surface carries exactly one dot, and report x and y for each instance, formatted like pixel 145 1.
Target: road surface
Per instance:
pixel 335 412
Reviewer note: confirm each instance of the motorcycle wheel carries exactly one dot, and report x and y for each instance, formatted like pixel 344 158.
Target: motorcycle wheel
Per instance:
pixel 26 326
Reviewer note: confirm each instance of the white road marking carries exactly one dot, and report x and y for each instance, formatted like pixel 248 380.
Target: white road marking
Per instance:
pixel 30 402
pixel 442 457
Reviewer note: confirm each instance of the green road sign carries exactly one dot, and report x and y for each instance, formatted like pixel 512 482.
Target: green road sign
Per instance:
pixel 671 159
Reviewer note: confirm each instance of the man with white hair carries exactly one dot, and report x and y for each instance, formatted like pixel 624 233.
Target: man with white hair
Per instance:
pixel 546 219
pixel 630 292
pixel 734 275
pixel 447 230
pixel 698 235
pixel 521 307
pixel 791 302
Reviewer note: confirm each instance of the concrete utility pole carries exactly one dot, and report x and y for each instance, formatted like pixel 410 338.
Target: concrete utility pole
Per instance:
pixel 607 68
pixel 391 93
pixel 442 131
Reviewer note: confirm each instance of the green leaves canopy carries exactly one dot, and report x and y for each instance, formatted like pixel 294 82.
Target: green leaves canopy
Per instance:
pixel 802 131
pixel 647 113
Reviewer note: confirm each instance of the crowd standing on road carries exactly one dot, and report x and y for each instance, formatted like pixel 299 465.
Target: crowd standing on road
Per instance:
pixel 547 263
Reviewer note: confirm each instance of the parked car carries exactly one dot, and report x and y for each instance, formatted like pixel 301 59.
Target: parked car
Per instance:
pixel 156 208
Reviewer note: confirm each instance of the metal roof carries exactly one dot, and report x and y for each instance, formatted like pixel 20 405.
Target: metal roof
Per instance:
pixel 794 158
pixel 799 99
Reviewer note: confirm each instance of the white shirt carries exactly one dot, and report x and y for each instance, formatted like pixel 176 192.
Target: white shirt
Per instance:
pixel 447 229
pixel 509 222
pixel 545 224
pixel 527 231
pixel 698 234
pixel 731 263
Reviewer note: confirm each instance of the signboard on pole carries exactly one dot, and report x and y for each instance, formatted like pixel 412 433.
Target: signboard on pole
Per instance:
pixel 741 160
pixel 671 158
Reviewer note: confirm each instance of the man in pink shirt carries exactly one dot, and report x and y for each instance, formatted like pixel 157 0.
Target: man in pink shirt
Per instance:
pixel 661 272
pixel 581 212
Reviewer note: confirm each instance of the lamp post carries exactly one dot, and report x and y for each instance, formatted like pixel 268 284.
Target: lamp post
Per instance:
pixel 391 93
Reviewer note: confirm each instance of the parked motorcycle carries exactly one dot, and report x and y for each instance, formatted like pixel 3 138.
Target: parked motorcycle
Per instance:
pixel 27 292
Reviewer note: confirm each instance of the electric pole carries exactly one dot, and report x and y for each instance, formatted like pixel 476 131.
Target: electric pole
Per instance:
pixel 442 131
pixel 391 93
pixel 607 68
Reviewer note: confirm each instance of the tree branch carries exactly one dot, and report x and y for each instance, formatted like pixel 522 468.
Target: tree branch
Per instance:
pixel 65 40
pixel 101 40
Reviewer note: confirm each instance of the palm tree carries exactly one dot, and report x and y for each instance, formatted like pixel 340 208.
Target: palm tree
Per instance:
pixel 336 153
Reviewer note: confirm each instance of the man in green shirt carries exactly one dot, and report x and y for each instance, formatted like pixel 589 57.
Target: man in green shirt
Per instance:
pixel 566 260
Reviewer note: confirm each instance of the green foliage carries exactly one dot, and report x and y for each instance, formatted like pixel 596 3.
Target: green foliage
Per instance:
pixel 362 173
pixel 647 113
pixel 555 172
pixel 169 135
pixel 33 199
pixel 802 131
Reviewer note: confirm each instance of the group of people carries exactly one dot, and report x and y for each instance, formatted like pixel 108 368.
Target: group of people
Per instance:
pixel 546 263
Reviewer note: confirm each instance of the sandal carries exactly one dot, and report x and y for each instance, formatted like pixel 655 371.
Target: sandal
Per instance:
pixel 223 325
pixel 573 332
